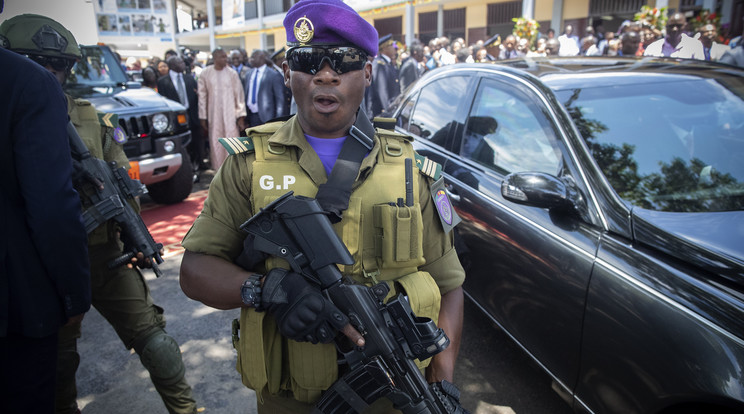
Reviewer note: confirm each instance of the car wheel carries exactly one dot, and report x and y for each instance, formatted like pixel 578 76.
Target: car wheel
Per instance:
pixel 176 188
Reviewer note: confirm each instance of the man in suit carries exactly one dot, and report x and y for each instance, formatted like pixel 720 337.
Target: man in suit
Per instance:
pixel 170 87
pixel 412 67
pixel 385 85
pixel 45 277
pixel 264 91
pixel 236 60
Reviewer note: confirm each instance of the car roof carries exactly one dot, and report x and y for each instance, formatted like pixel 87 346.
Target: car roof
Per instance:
pixel 574 71
pixel 568 72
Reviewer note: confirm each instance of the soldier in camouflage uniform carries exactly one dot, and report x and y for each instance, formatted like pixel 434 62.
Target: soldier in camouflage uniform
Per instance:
pixel 121 295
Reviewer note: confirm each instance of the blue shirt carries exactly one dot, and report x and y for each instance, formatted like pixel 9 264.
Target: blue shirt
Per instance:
pixel 327 149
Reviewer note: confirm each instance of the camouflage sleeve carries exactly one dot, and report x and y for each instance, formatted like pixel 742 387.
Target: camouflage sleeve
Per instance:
pixel 217 229
pixel 439 249
pixel 112 138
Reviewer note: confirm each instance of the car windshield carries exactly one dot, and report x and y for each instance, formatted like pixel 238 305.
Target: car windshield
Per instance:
pixel 97 73
pixel 667 146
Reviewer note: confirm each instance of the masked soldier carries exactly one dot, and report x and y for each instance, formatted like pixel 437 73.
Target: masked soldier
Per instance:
pixel 327 68
pixel 121 295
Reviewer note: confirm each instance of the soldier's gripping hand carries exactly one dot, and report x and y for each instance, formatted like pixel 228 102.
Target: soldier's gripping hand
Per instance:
pixel 301 311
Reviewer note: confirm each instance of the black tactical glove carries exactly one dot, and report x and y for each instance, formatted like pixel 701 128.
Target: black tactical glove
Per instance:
pixel 300 310
pixel 449 395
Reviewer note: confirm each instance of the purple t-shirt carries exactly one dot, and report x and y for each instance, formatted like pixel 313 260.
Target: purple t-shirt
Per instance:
pixel 327 149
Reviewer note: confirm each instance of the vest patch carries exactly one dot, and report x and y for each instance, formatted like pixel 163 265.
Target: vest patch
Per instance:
pixel 119 136
pixel 237 145
pixel 447 214
pixel 428 167
pixel 267 182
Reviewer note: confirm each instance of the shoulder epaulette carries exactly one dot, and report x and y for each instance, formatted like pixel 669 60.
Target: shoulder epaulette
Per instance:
pixel 108 119
pixel 237 145
pixel 267 128
pixel 428 167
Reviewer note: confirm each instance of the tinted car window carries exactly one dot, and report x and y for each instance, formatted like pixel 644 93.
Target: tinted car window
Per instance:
pixel 405 113
pixel 437 107
pixel 667 146
pixel 97 73
pixel 507 132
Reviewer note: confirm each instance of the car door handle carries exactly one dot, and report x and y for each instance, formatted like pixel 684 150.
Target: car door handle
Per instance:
pixel 451 194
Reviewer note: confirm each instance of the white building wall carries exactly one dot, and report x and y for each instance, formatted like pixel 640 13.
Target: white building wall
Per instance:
pixel 76 15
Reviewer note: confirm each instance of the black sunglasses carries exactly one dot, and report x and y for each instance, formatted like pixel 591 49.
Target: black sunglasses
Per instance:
pixel 309 59
pixel 675 26
pixel 58 64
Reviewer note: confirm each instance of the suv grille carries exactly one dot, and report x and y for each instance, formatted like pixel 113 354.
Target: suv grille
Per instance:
pixel 135 127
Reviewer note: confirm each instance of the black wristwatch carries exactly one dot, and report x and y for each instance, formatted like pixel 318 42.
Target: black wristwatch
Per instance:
pixel 250 292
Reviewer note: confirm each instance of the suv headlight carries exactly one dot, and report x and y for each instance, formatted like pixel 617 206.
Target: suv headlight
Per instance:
pixel 160 122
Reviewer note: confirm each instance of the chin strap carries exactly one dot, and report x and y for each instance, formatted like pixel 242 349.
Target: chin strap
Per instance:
pixel 333 196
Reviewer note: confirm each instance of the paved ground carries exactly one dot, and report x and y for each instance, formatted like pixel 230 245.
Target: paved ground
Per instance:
pixel 111 379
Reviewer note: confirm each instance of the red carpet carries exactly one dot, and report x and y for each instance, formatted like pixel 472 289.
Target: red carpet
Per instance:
pixel 169 223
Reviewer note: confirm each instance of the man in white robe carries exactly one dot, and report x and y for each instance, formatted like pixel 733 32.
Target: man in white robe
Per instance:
pixel 221 105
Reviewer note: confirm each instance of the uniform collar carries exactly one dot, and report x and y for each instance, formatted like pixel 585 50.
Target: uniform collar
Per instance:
pixel 291 135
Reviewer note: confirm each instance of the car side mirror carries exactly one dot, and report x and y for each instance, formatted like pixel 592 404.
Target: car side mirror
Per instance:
pixel 543 190
pixel 133 85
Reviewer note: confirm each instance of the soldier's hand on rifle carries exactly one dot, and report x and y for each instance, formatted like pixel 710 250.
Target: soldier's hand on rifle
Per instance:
pixel 301 311
pixel 141 261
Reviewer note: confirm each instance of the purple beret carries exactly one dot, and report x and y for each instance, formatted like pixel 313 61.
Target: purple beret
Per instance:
pixel 328 22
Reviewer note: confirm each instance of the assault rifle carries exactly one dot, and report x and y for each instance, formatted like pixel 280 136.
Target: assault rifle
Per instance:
pixel 296 229
pixel 113 190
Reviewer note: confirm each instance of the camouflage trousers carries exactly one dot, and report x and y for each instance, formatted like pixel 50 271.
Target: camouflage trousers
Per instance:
pixel 123 298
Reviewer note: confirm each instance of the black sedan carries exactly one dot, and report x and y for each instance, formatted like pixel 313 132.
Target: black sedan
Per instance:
pixel 603 219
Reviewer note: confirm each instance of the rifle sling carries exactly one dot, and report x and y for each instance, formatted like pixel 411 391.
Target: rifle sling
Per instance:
pixel 333 196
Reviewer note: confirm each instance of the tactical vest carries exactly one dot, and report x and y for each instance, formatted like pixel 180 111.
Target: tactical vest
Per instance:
pixel 384 239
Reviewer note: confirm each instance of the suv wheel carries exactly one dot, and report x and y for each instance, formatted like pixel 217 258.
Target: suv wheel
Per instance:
pixel 175 189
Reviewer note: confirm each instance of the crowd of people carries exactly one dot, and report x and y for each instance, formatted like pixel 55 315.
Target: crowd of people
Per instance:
pixel 225 105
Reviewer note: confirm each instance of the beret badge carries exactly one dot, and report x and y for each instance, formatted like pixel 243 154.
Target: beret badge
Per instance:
pixel 304 30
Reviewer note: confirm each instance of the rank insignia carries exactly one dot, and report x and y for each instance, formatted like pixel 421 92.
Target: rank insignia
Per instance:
pixel 237 145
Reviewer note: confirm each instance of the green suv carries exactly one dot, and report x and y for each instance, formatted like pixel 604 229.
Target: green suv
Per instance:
pixel 156 128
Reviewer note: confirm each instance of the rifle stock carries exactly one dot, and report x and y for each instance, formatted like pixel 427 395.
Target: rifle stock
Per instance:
pixel 296 229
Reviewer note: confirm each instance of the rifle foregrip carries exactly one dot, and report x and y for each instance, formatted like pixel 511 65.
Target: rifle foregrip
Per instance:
pixel 121 260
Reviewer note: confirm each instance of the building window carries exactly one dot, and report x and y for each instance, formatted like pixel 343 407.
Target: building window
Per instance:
pixel 499 17
pixel 454 23
pixel 427 26
pixel 251 9
pixel 392 25
pixel 689 5
pixel 599 8
pixel 499 13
